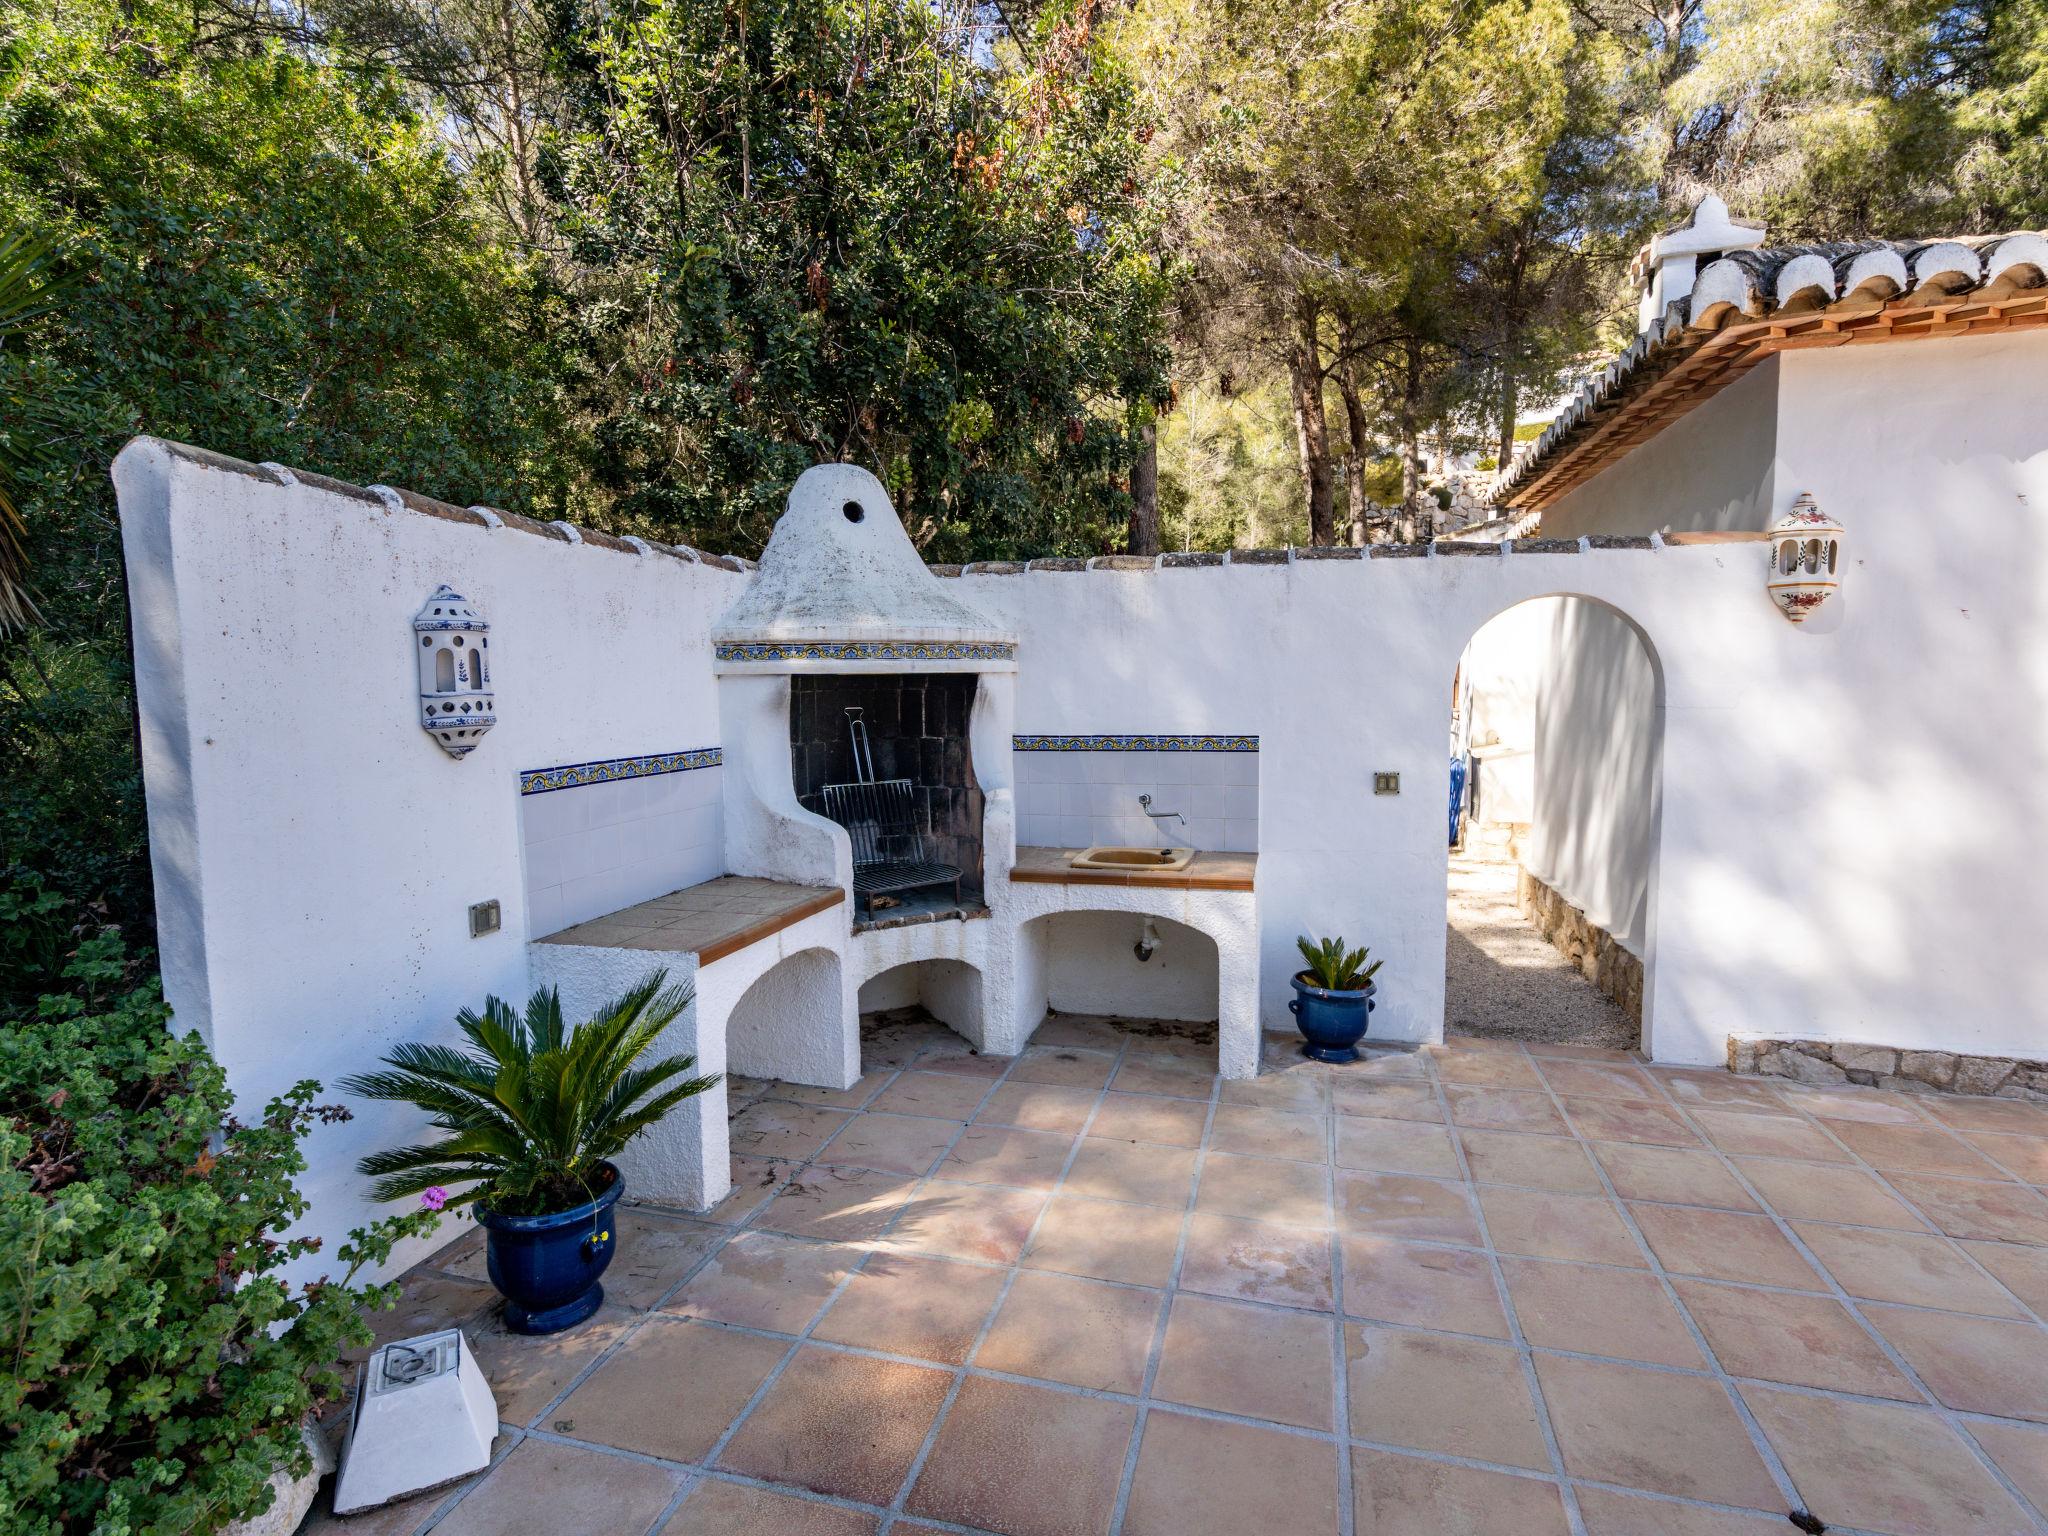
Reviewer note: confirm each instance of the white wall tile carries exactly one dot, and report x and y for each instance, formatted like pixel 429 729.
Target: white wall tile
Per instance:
pixel 1241 837
pixel 1241 802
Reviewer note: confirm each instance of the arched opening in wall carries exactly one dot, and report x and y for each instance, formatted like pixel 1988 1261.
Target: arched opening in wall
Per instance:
pixel 1555 794
pixel 1110 975
pixel 922 1011
pixel 787 1025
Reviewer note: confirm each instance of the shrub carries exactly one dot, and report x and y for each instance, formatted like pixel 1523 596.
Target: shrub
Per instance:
pixel 156 1364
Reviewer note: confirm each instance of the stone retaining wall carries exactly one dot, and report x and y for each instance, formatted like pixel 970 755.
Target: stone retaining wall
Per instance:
pixel 1595 952
pixel 1879 1066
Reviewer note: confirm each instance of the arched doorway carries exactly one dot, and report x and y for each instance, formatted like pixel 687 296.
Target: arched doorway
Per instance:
pixel 1556 743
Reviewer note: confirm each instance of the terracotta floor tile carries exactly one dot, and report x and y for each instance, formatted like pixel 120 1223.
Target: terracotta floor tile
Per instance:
pixel 546 1487
pixel 956 1055
pixel 1967 1114
pixel 1597 1080
pixel 1458 1397
pixel 1504 1109
pixel 1381 1063
pixel 1300 1092
pixel 847 1205
pixel 1974 1364
pixel 1407 1496
pixel 793 1131
pixel 754 1182
pixel 894 1143
pixel 2023 1271
pixel 1596 1311
pixel 1575 1052
pixel 1403 1205
pixel 1740 1134
pixel 1257 1261
pixel 2021 1453
pixel 1172 1078
pixel 1653 1430
pixel 2010 1213
pixel 1491 1069
pixel 1139 1117
pixel 2024 1157
pixel 1395 1282
pixel 1064 1066
pixel 938 1095
pixel 1884 1467
pixel 1202 1477
pixel 1555 1163
pixel 904 1305
pixel 842 1424
pixel 1088 1032
pixel 1625 1514
pixel 655 1251
pixel 1391 1146
pixel 1386 1098
pixel 889 1047
pixel 1265 1189
pixel 1257 1362
pixel 1802 1341
pixel 856 1097
pixel 1080 1332
pixel 1255 1132
pixel 1809 1191
pixel 968 1221
pixel 1134 1244
pixel 1917 1149
pixel 1541 1225
pixel 1626 1120
pixel 428 1301
pixel 1039 1107
pixel 1026 1461
pixel 1723 1245
pixel 765 1280
pixel 1718 1089
pixel 1134 1171
pixel 1671 1175
pixel 526 1373
pixel 631 1400
pixel 1874 1106
pixel 719 1508
pixel 1918 1269
pixel 1017 1159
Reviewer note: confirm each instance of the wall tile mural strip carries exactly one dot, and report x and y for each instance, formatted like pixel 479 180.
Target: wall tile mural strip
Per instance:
pixel 871 650
pixel 1134 743
pixel 538 781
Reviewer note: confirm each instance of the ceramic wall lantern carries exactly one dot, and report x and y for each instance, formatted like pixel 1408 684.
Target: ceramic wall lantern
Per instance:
pixel 453 645
pixel 1806 559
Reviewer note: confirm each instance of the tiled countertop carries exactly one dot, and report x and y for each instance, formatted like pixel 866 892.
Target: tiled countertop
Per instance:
pixel 711 920
pixel 1205 872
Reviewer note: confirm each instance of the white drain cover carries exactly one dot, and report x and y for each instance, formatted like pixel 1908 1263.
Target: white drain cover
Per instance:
pixel 424 1416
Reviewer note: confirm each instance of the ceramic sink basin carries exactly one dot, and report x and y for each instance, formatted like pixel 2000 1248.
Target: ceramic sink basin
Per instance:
pixel 1132 858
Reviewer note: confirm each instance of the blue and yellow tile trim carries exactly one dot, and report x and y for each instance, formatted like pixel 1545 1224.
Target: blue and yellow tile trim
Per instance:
pixel 869 650
pixel 538 781
pixel 1134 743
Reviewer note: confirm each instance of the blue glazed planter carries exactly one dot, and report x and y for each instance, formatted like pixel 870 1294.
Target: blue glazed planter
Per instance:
pixel 547 1267
pixel 1331 1022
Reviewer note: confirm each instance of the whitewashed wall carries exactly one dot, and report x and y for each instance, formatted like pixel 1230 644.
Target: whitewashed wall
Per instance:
pixel 1071 799
pixel 594 848
pixel 315 852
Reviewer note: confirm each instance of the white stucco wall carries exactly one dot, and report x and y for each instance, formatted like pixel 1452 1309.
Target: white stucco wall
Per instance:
pixel 315 852
pixel 594 848
pixel 1094 968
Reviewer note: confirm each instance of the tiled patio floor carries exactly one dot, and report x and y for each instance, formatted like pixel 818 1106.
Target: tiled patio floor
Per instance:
pixel 1486 1290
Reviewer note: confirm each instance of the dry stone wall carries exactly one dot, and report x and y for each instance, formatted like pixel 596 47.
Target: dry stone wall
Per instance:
pixel 1879 1066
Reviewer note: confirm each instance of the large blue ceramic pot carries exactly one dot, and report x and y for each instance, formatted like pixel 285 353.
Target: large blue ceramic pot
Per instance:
pixel 1332 1022
pixel 547 1267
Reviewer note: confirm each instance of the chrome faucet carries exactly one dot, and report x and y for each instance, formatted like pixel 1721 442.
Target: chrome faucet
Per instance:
pixel 1146 802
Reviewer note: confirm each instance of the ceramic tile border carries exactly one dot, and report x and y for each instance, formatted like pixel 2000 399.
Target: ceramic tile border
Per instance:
pixel 870 650
pixel 1134 743
pixel 539 781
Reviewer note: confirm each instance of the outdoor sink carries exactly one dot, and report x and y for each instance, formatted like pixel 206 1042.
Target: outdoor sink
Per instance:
pixel 1132 858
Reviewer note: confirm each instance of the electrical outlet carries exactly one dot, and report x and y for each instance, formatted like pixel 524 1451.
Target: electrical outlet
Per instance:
pixel 484 918
pixel 1386 783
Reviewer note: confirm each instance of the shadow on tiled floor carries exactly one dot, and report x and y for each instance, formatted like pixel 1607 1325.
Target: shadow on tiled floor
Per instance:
pixel 1486 1289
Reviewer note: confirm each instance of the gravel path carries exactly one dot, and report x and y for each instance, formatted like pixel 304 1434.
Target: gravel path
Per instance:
pixel 1503 978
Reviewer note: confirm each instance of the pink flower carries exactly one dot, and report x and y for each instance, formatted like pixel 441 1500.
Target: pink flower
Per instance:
pixel 433 1199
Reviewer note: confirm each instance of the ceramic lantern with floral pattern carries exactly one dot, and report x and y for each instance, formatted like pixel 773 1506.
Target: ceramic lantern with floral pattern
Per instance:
pixel 1806 559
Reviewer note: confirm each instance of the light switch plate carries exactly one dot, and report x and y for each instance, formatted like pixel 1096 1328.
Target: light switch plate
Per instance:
pixel 484 918
pixel 1386 783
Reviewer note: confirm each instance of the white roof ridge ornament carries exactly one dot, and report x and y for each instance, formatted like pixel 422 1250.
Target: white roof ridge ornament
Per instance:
pixel 1667 266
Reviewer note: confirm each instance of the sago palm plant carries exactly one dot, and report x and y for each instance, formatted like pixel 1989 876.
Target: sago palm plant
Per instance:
pixel 1334 968
pixel 535 1109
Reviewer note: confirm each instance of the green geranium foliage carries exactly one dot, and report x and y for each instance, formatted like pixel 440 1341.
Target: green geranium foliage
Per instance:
pixel 155 1367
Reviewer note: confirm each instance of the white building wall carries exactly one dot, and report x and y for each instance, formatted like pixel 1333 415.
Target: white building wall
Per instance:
pixel 594 848
pixel 1069 798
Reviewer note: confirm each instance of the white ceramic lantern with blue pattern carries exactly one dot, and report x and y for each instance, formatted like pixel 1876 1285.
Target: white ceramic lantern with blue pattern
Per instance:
pixel 453 645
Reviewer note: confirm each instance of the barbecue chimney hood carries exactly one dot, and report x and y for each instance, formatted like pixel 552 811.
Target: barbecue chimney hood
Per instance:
pixel 841 589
